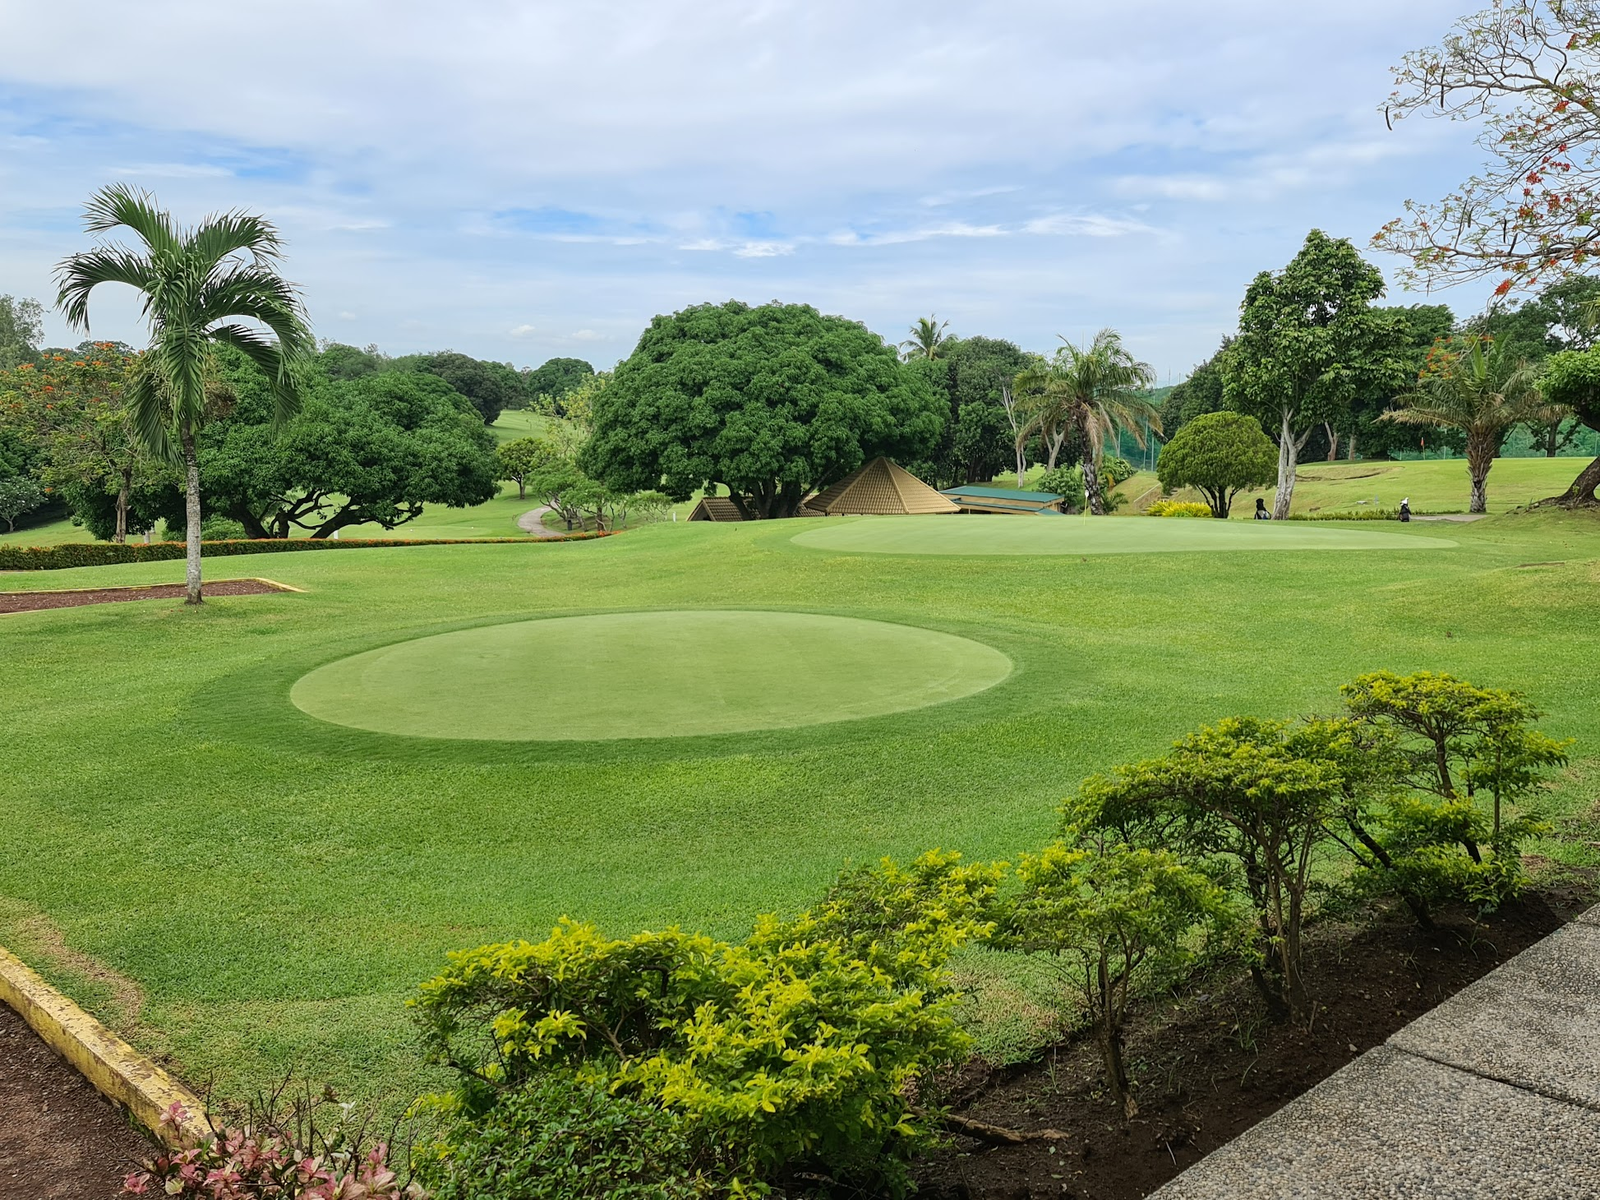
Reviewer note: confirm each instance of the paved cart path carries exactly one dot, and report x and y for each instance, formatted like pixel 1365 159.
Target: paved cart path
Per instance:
pixel 1494 1095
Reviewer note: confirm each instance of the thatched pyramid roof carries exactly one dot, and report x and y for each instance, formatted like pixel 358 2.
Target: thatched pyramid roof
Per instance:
pixel 880 488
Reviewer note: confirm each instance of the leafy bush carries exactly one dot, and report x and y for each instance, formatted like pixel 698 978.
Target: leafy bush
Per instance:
pixel 1221 454
pixel 1178 508
pixel 254 1162
pixel 101 554
pixel 564 1138
pixel 808 1047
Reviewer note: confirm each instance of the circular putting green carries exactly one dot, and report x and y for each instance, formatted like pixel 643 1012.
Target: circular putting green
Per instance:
pixel 646 675
pixel 1054 534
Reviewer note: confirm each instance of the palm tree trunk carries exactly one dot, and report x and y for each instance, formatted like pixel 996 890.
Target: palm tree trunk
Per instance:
pixel 1480 457
pixel 1091 485
pixel 122 505
pixel 191 512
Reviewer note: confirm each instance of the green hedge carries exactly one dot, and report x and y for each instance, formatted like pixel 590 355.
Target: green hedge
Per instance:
pixel 101 554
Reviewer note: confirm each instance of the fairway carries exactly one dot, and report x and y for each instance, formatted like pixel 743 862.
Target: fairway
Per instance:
pixel 1050 535
pixel 647 674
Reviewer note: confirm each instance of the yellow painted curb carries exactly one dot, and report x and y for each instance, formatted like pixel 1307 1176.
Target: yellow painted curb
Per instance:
pixel 117 1071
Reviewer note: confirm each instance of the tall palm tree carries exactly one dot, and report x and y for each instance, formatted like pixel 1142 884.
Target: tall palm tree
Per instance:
pixel 1484 391
pixel 927 338
pixel 1092 391
pixel 195 284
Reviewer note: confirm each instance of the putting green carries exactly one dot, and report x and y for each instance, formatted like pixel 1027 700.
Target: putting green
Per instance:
pixel 981 534
pixel 646 674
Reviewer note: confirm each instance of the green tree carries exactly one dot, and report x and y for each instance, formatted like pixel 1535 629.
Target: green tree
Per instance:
pixel 19 494
pixel 555 377
pixel 1572 379
pixel 1091 392
pixel 373 450
pixel 519 459
pixel 927 338
pixel 973 374
pixel 492 387
pixel 773 402
pixel 1221 454
pixel 1484 391
pixel 1199 394
pixel 1309 342
pixel 21 331
pixel 1111 910
pixel 195 284
pixel 1259 792
pixel 339 361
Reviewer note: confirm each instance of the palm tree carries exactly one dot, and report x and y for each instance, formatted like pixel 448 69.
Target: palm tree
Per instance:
pixel 1092 391
pixel 195 284
pixel 927 338
pixel 1482 390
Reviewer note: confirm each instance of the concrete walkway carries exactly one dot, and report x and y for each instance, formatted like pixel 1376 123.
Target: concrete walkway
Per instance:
pixel 533 523
pixel 1494 1095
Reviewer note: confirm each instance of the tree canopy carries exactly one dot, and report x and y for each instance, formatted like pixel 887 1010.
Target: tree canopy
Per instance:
pixel 21 330
pixel 772 402
pixel 374 449
pixel 1309 342
pixel 555 377
pixel 1221 454
pixel 492 387
pixel 973 374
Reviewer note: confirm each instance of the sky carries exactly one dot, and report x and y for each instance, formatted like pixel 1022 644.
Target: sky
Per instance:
pixel 520 179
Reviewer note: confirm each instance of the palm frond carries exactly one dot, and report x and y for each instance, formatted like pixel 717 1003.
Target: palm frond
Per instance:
pixel 120 205
pixel 151 414
pixel 275 362
pixel 256 293
pixel 235 231
pixel 79 274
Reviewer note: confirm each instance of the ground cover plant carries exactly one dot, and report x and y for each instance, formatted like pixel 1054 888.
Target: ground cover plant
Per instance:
pixel 326 870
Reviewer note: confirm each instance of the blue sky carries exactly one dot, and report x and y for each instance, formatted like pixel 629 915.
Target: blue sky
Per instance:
pixel 518 179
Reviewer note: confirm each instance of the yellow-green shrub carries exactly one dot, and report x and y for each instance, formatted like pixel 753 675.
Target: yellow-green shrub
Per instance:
pixel 1178 508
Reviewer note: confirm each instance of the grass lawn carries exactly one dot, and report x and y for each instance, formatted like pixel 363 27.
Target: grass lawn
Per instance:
pixel 267 887
pixel 1435 485
pixel 516 423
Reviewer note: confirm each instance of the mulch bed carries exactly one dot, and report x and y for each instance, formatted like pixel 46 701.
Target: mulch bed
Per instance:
pixel 58 1139
pixel 11 602
pixel 1209 1065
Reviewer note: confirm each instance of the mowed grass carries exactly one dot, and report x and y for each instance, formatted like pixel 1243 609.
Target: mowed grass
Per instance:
pixel 1433 485
pixel 276 885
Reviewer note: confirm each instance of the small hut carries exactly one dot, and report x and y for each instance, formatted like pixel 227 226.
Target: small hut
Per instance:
pixel 716 508
pixel 973 499
pixel 880 488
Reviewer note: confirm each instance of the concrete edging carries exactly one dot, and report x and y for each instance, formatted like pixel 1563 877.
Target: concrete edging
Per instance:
pixel 118 1072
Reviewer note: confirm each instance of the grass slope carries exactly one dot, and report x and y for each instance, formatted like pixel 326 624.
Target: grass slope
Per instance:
pixel 1437 485
pixel 273 885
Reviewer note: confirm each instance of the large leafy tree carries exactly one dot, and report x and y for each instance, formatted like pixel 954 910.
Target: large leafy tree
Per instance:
pixel 1091 392
pixel 21 331
pixel 196 285
pixel 974 375
pixel 1309 342
pixel 371 450
pixel 555 377
pixel 771 402
pixel 491 386
pixel 1572 379
pixel 339 361
pixel 1483 389
pixel 1199 394
pixel 1221 454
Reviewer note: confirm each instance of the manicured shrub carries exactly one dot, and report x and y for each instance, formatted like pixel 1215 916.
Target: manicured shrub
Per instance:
pixel 811 1047
pixel 564 1138
pixel 101 554
pixel 1109 911
pixel 1178 508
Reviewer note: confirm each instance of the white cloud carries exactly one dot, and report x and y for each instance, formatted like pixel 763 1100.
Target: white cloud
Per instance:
pixel 1026 168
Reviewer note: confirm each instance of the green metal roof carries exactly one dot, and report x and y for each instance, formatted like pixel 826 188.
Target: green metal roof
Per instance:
pixel 1002 494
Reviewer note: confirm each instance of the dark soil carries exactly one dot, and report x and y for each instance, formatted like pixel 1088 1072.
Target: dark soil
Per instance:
pixel 1209 1065
pixel 34 601
pixel 58 1139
